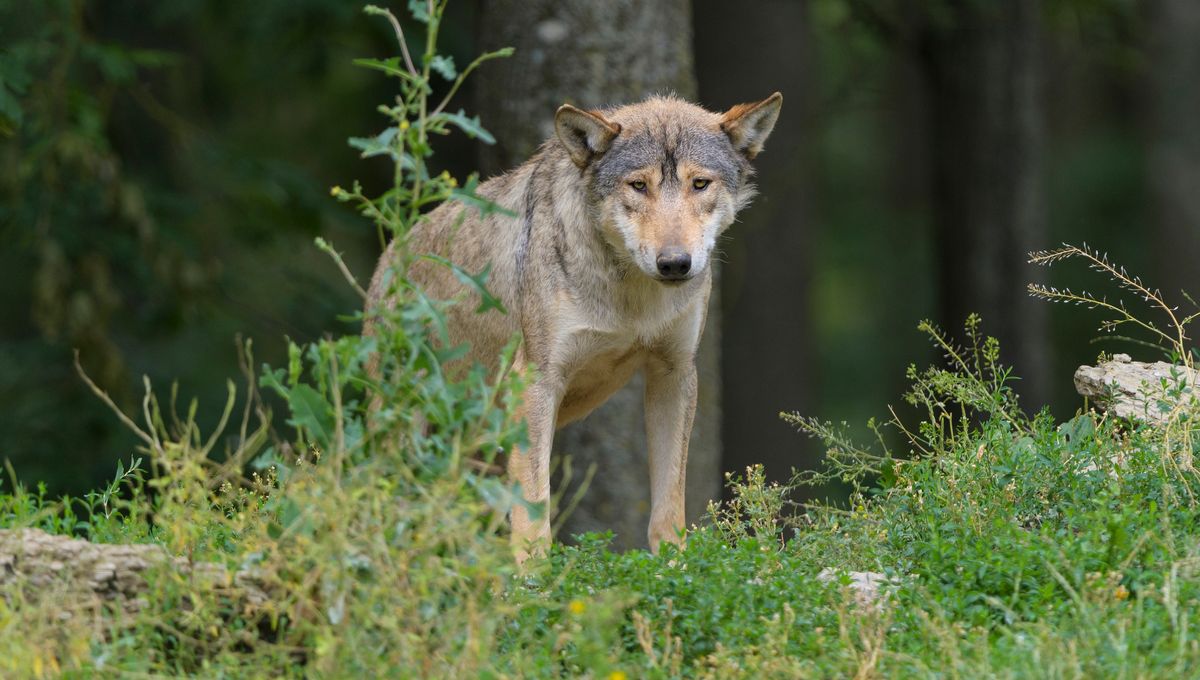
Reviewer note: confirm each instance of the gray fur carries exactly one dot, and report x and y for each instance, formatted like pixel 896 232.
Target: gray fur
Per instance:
pixel 666 147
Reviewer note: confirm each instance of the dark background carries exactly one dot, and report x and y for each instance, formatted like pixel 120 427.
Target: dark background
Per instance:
pixel 164 167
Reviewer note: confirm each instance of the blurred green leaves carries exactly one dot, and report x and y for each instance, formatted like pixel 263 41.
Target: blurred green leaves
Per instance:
pixel 157 199
pixel 467 124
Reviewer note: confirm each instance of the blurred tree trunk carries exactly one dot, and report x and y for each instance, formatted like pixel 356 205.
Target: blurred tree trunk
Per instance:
pixel 593 53
pixel 1175 146
pixel 981 66
pixel 766 355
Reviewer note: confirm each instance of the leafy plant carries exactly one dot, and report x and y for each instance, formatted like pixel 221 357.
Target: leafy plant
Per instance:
pixel 372 513
pixel 1176 397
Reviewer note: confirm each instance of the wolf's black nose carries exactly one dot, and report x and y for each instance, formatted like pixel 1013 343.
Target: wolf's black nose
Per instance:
pixel 674 263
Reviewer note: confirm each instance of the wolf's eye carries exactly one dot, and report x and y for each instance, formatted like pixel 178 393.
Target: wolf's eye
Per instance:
pixel 701 184
pixel 638 186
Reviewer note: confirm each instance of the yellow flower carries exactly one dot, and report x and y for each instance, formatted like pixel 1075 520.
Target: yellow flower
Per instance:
pixel 1122 593
pixel 335 191
pixel 403 125
pixel 576 607
pixel 617 675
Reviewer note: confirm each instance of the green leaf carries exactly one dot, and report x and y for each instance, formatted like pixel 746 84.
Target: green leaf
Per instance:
pixel 392 67
pixel 290 518
pixel 420 10
pixel 466 194
pixel 477 281
pixel 273 379
pixel 295 364
pixel 471 126
pixel 311 411
pixel 444 65
pixel 381 145
pixel 447 354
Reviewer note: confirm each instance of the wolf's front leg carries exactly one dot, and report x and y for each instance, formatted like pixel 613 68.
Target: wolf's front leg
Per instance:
pixel 670 407
pixel 531 469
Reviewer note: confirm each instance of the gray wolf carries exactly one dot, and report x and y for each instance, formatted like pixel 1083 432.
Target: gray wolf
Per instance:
pixel 605 270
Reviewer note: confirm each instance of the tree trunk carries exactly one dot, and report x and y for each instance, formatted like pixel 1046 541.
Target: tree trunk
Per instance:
pixel 81 573
pixel 593 53
pixel 982 73
pixel 766 352
pixel 1175 146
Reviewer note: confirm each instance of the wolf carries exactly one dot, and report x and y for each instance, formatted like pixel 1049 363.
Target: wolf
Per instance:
pixel 605 270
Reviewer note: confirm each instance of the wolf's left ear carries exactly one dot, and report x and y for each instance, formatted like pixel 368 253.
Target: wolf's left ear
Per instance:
pixel 749 125
pixel 585 134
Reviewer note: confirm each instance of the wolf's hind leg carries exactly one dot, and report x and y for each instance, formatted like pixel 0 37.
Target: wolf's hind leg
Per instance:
pixel 670 408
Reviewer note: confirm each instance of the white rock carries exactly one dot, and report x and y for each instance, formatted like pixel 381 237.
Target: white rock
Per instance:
pixel 865 584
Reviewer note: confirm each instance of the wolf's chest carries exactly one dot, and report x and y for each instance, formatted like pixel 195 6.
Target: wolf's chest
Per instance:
pixel 591 380
pixel 594 362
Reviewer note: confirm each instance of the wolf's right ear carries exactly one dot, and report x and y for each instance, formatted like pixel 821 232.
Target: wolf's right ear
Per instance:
pixel 749 125
pixel 584 134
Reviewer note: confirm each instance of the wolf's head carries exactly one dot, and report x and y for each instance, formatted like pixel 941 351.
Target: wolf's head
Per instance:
pixel 667 177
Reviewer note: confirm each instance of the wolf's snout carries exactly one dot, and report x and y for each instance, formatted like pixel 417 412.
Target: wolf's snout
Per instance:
pixel 674 264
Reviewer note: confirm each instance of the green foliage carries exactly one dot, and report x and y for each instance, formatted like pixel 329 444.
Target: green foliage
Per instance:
pixel 375 512
pixel 1005 545
pixel 155 201
pixel 1164 326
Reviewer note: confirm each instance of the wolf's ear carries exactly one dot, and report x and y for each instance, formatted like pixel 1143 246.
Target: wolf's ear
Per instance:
pixel 749 125
pixel 585 134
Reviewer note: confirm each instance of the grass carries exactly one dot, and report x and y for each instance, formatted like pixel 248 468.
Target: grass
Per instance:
pixel 1014 546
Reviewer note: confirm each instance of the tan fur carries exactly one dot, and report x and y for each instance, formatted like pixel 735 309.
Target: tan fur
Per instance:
pixel 576 270
pixel 745 123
